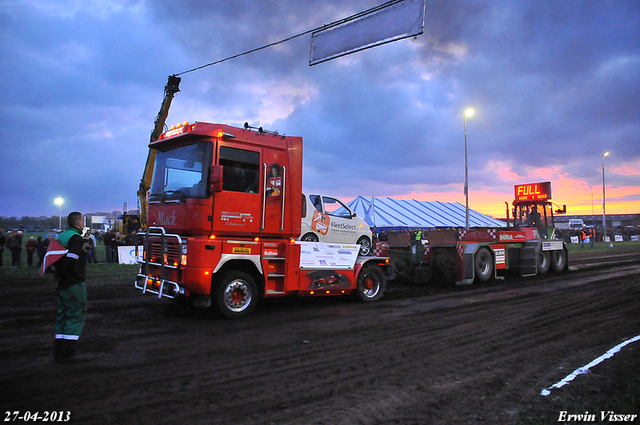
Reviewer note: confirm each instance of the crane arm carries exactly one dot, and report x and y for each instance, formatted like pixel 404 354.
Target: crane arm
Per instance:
pixel 170 90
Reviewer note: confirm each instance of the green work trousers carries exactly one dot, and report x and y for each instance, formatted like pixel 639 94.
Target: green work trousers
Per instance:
pixel 72 311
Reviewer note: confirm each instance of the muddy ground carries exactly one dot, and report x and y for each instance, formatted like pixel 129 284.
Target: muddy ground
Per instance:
pixel 473 355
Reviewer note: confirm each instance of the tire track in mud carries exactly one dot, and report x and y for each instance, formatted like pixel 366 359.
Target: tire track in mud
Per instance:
pixel 315 369
pixel 436 359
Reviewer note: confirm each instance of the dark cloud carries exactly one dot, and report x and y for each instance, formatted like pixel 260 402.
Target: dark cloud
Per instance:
pixel 554 84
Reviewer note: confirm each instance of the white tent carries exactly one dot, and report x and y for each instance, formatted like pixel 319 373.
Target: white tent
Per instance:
pixel 399 213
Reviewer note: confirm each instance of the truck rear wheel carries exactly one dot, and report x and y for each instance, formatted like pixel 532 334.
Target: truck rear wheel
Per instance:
pixel 371 284
pixel 236 294
pixel 483 263
pixel 558 260
pixel 544 262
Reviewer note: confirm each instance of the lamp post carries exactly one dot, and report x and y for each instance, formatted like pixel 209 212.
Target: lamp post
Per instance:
pixel 467 113
pixel 58 201
pixel 604 214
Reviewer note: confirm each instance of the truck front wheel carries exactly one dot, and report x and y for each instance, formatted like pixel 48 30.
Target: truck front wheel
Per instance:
pixel 371 284
pixel 236 294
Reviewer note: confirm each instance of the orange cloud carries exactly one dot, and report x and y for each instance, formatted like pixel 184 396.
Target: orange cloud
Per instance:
pixel 627 169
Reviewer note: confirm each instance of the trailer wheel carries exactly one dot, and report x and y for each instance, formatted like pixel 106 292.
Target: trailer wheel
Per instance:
pixel 365 245
pixel 558 260
pixel 236 294
pixel 483 263
pixel 309 237
pixel 371 284
pixel 544 262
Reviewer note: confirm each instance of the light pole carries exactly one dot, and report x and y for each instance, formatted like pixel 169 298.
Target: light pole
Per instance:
pixel 604 214
pixel 58 201
pixel 467 113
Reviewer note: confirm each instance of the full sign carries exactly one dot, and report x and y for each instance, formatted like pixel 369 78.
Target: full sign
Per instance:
pixel 533 191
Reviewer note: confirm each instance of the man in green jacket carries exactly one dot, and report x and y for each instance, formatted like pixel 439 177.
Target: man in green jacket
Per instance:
pixel 72 293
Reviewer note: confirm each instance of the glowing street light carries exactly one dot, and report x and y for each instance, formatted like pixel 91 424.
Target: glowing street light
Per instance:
pixel 467 113
pixel 59 201
pixel 604 214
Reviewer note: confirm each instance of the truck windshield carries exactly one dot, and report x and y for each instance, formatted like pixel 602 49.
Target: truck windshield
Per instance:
pixel 181 172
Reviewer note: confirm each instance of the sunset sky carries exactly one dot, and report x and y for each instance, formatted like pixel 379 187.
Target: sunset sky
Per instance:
pixel 554 84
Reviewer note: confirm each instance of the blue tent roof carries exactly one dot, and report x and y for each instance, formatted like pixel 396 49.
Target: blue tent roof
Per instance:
pixel 399 213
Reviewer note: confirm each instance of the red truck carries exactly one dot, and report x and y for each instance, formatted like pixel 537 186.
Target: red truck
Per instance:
pixel 224 208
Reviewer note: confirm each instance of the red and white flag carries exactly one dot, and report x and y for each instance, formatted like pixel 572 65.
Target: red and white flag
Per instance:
pixel 55 252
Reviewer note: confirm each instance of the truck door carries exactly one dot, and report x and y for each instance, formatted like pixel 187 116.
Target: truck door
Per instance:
pixel 237 208
pixel 275 191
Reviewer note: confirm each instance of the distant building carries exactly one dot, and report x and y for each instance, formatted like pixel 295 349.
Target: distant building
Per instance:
pixel 97 223
pixel 613 220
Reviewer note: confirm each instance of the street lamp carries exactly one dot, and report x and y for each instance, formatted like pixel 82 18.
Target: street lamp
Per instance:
pixel 467 113
pixel 58 201
pixel 604 214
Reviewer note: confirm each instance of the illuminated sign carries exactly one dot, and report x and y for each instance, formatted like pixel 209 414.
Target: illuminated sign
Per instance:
pixel 178 129
pixel 533 191
pixel 173 132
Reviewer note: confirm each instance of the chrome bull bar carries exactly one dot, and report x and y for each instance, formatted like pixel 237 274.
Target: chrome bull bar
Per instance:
pixel 147 282
pixel 166 288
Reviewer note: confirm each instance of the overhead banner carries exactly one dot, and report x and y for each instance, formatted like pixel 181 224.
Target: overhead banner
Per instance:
pixel 389 22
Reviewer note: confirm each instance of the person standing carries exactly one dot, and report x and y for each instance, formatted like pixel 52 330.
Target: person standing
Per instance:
pixel 41 249
pixel 107 238
pixel 31 249
pixel 89 245
pixel 3 240
pixel 12 245
pixel 18 248
pixel 72 292
pixel 115 243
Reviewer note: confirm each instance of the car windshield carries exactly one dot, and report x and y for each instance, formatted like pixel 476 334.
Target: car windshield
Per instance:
pixel 181 172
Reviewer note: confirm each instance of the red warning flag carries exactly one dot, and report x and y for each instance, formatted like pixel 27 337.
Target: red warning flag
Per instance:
pixel 55 252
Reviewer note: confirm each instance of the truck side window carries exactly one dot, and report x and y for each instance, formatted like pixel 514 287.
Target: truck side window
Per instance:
pixel 241 170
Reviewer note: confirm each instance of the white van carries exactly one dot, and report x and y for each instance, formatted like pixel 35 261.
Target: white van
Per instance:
pixel 327 219
pixel 576 223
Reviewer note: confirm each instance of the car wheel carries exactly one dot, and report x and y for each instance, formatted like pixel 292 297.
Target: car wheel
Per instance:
pixel 310 237
pixel 365 245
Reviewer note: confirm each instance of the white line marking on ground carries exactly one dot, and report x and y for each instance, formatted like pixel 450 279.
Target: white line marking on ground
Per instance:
pixel 585 369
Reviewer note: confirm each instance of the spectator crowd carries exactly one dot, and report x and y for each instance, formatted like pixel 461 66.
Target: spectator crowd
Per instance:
pixel 101 247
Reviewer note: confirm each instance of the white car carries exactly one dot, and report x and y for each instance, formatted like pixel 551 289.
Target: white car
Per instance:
pixel 327 219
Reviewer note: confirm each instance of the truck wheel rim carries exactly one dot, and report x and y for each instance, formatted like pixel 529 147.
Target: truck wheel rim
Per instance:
pixel 484 265
pixel 370 285
pixel 237 295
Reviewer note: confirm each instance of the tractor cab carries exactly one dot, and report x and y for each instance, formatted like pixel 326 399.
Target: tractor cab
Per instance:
pixel 532 208
pixel 535 214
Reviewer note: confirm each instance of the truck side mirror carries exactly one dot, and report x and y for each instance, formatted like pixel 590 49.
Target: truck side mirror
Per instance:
pixel 215 178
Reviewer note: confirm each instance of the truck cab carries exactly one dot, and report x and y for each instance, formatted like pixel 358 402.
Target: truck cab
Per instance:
pixel 224 211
